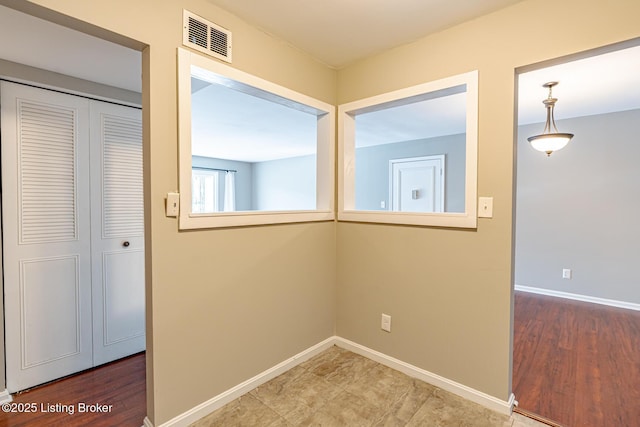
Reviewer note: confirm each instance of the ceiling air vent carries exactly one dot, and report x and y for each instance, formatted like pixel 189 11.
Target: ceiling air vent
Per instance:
pixel 206 37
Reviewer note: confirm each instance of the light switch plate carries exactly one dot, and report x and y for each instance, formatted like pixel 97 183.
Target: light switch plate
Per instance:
pixel 485 207
pixel 173 204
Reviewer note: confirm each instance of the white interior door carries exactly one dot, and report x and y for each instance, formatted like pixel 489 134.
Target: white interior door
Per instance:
pixel 46 217
pixel 417 184
pixel 117 242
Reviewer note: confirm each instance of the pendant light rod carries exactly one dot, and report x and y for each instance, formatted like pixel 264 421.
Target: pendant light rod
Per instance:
pixel 550 104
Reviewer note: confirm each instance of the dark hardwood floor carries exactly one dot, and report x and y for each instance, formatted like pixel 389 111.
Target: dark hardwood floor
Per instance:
pixel 67 402
pixel 576 363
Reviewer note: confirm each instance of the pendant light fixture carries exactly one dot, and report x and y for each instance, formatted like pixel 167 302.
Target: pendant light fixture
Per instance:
pixel 549 141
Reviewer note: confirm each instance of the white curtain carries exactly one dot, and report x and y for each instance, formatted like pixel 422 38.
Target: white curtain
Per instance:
pixel 230 191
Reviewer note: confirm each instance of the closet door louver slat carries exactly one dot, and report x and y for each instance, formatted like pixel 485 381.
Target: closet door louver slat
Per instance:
pixel 122 177
pixel 47 171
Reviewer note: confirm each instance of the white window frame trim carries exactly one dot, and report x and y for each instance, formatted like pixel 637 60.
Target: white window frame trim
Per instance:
pixel 325 152
pixel 346 158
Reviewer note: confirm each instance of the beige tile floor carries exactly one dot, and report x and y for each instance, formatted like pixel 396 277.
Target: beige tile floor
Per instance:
pixel 341 388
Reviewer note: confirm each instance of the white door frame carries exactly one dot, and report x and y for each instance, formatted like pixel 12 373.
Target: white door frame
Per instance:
pixel 392 184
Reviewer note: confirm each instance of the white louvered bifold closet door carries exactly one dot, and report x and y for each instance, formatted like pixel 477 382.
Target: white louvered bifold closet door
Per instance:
pixel 117 231
pixel 73 245
pixel 46 227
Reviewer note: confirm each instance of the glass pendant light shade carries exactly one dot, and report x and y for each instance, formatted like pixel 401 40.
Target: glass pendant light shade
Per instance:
pixel 548 141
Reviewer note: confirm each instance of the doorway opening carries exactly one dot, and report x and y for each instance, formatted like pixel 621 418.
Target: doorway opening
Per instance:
pixel 103 77
pixel 576 298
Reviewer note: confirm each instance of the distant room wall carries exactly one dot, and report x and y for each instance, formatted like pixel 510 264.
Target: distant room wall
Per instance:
pixel 285 184
pixel 579 208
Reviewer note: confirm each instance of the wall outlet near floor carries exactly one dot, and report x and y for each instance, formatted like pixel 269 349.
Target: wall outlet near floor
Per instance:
pixel 386 322
pixel 566 273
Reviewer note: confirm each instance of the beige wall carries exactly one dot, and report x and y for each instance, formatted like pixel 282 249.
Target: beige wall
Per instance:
pixel 224 305
pixel 450 292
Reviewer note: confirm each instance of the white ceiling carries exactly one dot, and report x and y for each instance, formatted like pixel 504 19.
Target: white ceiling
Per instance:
pixel 219 118
pixel 42 44
pixel 599 84
pixel 343 32
pixel 425 119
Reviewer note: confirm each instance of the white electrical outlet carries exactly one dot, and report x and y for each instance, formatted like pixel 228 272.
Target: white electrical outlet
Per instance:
pixel 566 273
pixel 386 322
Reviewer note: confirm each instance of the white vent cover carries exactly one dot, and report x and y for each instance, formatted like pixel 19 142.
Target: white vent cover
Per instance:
pixel 206 37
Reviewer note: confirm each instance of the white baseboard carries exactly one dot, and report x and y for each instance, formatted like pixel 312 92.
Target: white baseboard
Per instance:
pixel 147 422
pixel 222 399
pixel 493 403
pixel 578 297
pixel 5 396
